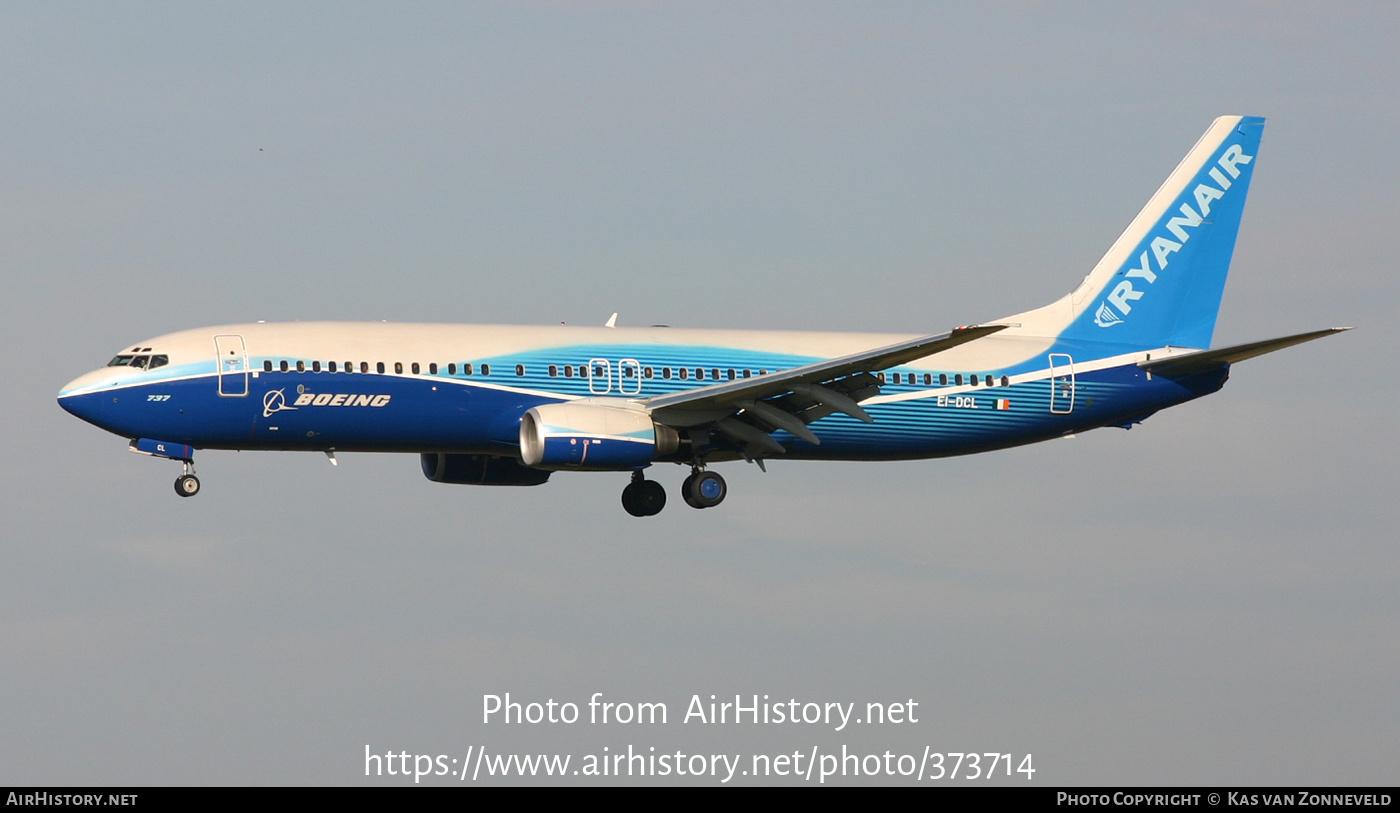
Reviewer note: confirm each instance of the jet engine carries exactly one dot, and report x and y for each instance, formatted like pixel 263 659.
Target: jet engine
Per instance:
pixel 591 436
pixel 480 470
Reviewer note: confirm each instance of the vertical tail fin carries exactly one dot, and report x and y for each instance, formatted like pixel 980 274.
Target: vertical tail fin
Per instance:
pixel 1162 280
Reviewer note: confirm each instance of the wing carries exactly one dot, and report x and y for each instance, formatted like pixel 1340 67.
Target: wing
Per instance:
pixel 748 410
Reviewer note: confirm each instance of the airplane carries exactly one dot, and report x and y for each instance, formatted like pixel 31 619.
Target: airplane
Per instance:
pixel 509 405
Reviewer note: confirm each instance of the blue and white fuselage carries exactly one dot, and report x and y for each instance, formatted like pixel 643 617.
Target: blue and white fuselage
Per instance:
pixel 507 405
pixel 332 396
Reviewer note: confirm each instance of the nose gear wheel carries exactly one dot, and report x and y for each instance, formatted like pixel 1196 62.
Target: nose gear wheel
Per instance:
pixel 187 485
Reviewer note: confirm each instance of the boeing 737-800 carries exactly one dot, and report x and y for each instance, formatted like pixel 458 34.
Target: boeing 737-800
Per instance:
pixel 510 405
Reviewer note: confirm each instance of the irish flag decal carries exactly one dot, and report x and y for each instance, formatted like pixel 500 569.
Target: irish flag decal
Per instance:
pixel 1003 403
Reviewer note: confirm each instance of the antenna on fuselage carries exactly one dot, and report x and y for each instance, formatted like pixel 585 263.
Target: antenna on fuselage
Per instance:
pixel 612 321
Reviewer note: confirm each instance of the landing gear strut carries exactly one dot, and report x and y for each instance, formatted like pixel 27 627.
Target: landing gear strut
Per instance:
pixel 643 497
pixel 187 485
pixel 703 489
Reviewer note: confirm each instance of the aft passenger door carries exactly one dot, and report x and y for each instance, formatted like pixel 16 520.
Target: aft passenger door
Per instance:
pixel 231 356
pixel 1061 383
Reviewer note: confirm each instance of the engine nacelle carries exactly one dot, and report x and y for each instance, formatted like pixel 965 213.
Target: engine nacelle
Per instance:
pixel 593 436
pixel 480 470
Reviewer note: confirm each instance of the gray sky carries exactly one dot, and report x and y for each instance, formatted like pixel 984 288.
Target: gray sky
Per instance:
pixel 1211 598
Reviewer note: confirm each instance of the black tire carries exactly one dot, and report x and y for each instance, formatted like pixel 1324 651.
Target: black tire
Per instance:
pixel 705 489
pixel 187 485
pixel 688 491
pixel 651 495
pixel 632 500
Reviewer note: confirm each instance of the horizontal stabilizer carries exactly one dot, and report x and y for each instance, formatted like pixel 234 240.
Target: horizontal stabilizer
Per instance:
pixel 1208 359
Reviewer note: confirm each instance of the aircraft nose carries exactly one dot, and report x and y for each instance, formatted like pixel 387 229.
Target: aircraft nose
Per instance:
pixel 100 379
pixel 81 405
pixel 81 396
pixel 71 386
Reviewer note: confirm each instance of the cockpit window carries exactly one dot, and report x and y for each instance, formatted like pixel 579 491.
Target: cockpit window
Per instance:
pixel 140 362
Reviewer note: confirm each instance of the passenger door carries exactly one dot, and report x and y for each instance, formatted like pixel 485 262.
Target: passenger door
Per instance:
pixel 1061 383
pixel 231 355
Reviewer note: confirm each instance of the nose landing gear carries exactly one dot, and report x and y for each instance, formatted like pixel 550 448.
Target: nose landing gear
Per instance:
pixel 187 485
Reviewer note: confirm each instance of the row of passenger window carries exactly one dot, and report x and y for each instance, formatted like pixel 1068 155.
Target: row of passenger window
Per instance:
pixel 625 370
pixel 555 370
pixel 972 380
pixel 666 373
pixel 379 367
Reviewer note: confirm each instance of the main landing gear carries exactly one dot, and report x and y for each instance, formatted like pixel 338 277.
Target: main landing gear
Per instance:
pixel 643 497
pixel 187 485
pixel 646 498
pixel 703 489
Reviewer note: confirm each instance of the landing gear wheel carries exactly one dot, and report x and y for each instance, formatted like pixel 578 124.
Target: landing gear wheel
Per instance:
pixel 688 489
pixel 187 485
pixel 643 498
pixel 631 503
pixel 652 496
pixel 704 489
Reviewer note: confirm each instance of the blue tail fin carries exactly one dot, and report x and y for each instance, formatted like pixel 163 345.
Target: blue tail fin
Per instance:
pixel 1161 282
